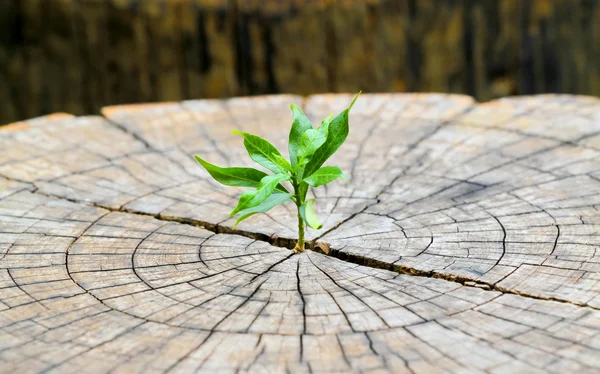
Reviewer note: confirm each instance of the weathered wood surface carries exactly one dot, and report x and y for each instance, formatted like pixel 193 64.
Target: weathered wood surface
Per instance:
pixel 466 241
pixel 79 55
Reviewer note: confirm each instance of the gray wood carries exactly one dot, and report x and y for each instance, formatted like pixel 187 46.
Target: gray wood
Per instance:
pixel 465 241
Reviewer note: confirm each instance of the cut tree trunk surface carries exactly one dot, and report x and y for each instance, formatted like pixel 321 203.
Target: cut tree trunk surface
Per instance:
pixel 466 240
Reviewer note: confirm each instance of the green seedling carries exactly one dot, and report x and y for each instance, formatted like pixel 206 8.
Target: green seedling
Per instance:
pixel 308 148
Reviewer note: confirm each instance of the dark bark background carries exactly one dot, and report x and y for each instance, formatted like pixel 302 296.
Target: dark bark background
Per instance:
pixel 79 55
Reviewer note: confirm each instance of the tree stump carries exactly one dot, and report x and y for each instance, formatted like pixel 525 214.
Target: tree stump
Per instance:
pixel 466 241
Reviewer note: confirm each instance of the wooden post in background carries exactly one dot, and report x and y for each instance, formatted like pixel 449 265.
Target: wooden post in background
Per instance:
pixel 79 55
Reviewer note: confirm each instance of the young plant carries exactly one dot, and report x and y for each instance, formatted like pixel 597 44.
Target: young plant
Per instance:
pixel 308 148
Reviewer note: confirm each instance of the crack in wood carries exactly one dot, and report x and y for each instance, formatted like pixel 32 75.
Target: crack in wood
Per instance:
pixel 326 249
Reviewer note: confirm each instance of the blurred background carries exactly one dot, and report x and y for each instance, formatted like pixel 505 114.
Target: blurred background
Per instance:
pixel 76 56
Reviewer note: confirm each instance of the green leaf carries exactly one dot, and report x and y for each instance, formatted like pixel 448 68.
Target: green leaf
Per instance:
pixel 324 175
pixel 308 214
pixel 325 122
pixel 303 190
pixel 253 198
pixel 337 133
pixel 265 206
pixel 311 141
pixel 282 162
pixel 324 128
pixel 262 152
pixel 299 126
pixel 236 176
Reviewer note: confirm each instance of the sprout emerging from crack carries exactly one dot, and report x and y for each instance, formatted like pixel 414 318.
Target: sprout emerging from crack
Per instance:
pixel 308 148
